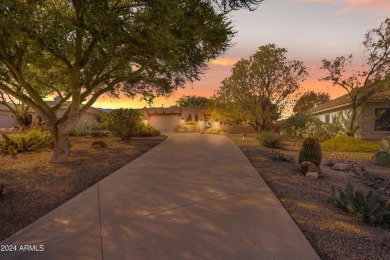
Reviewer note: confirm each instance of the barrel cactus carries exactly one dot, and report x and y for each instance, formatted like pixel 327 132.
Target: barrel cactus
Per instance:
pixel 382 158
pixel 384 144
pixel 310 151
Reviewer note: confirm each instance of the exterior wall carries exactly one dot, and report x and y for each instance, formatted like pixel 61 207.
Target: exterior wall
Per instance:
pixel 165 123
pixel 368 117
pixel 238 129
pixel 7 119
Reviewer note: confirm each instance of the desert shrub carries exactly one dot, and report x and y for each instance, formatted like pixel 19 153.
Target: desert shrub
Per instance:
pixel 147 130
pixel 22 142
pixel 295 124
pixel 214 131
pixel 99 133
pixel 348 144
pixel 370 207
pixel 181 129
pixel 124 123
pixel 270 139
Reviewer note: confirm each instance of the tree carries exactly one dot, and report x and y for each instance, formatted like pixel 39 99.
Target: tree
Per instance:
pixel 17 108
pixel 260 87
pixel 80 50
pixel 192 101
pixel 309 100
pixel 374 75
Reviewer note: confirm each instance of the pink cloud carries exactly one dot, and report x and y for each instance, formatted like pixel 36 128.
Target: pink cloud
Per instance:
pixel 228 61
pixel 353 5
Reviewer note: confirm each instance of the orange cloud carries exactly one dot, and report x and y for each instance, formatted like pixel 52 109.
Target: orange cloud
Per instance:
pixel 228 61
pixel 353 5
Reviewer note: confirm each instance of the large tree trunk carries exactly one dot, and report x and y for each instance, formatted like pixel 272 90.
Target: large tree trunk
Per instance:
pixel 60 134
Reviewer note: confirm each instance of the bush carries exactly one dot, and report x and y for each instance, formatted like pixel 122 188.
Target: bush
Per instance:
pixel 369 207
pixel 295 124
pixel 270 139
pixel 147 130
pixel 190 123
pixel 124 123
pixel 27 141
pixel 214 131
pixel 181 129
pixel 348 144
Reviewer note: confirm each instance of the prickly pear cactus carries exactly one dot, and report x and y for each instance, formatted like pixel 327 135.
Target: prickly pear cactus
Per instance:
pixel 382 158
pixel 310 151
pixel 384 144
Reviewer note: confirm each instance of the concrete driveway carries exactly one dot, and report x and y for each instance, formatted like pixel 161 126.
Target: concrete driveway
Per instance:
pixel 191 197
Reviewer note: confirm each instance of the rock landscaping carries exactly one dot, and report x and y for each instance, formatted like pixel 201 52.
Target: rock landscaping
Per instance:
pixel 333 232
pixel 33 187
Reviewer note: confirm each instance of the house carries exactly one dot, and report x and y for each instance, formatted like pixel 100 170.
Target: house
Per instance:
pixel 374 115
pixel 166 119
pixel 8 119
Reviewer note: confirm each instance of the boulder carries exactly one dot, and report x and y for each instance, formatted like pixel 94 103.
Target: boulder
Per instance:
pixel 340 166
pixel 312 175
pixel 310 167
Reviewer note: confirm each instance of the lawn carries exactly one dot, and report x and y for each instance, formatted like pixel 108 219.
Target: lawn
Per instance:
pixel 334 233
pixel 33 187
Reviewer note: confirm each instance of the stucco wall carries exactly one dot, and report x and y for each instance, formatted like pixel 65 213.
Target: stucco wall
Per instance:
pixel 368 118
pixel 7 119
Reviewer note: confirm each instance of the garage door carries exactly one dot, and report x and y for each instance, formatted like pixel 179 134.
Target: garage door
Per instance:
pixel 4 121
pixel 164 123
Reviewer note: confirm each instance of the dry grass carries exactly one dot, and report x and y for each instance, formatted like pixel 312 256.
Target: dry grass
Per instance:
pixel 334 233
pixel 33 187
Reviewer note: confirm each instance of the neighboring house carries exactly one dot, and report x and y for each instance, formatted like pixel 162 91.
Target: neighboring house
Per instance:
pixel 8 119
pixel 374 115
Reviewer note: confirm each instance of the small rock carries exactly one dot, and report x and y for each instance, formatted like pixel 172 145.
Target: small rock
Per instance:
pixel 98 144
pixel 340 166
pixel 310 167
pixel 312 175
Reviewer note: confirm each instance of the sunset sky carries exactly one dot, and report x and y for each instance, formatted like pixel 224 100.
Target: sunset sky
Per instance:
pixel 311 30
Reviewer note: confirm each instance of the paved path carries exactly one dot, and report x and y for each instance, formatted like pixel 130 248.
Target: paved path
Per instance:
pixel 191 197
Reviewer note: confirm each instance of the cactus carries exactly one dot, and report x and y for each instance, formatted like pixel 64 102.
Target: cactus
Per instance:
pixel 382 158
pixel 384 144
pixel 310 151
pixel 12 150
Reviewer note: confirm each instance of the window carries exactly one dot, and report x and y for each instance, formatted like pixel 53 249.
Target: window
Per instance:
pixel 382 119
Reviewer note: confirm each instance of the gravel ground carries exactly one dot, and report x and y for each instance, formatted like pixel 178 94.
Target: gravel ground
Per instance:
pixel 33 187
pixel 334 234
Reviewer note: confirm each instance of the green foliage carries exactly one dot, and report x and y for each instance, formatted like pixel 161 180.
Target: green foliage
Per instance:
pixel 124 123
pixel 260 87
pixel 310 151
pixel 348 144
pixel 309 100
pixel 27 141
pixel 270 139
pixel 181 129
pixel 295 125
pixel 384 144
pixel 192 101
pixel 85 128
pixel 318 130
pixel 146 131
pixel 189 118
pixel 370 207
pixel 214 131
pixel 382 158
pixel 190 123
